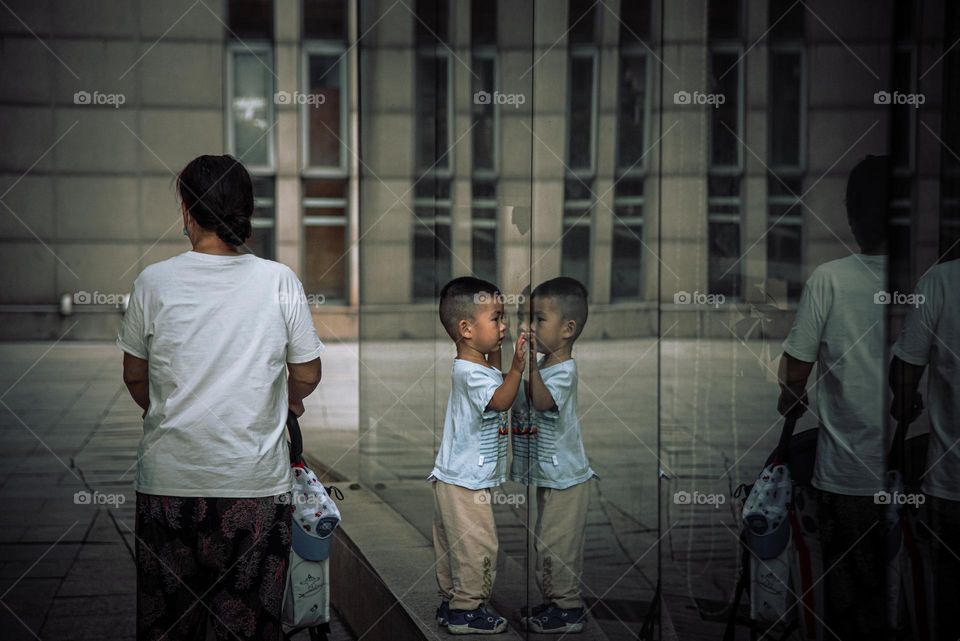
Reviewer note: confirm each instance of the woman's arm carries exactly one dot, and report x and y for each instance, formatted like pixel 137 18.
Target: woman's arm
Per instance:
pixel 303 379
pixel 136 378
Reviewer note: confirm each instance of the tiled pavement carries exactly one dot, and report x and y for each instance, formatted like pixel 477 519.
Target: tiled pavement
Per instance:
pixel 67 567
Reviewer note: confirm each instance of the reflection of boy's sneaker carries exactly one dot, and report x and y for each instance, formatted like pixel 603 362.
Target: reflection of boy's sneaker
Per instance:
pixel 443 612
pixel 554 620
pixel 479 621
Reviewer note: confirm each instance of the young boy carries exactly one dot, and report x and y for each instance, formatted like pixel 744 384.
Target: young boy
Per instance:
pixel 558 463
pixel 472 456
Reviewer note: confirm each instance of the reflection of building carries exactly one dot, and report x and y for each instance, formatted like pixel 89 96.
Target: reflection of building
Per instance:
pixel 650 153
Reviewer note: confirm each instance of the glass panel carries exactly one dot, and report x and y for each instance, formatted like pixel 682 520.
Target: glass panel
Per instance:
pixel 323 109
pixel 785 114
pixel 250 19
pixel 252 109
pixel 580 127
pixel 325 20
pixel 631 132
pixel 432 112
pixel 325 265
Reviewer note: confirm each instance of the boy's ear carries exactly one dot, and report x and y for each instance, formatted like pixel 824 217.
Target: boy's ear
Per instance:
pixel 465 328
pixel 569 329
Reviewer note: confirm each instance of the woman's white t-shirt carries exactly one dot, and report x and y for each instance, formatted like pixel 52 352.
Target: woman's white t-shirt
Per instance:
pixel 217 332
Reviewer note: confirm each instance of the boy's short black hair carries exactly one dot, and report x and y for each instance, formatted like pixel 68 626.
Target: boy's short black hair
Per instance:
pixel 571 297
pixel 868 205
pixel 458 299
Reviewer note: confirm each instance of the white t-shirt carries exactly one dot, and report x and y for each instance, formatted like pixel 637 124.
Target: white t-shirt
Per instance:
pixel 841 328
pixel 473 449
pixel 931 336
pixel 549 452
pixel 217 332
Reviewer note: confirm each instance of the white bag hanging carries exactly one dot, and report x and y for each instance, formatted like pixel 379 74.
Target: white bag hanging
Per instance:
pixel 306 600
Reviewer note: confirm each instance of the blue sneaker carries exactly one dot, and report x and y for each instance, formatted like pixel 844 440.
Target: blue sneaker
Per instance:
pixel 479 621
pixel 554 620
pixel 443 613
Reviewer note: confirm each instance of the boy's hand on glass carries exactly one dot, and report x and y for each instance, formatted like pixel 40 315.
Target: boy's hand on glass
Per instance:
pixel 532 346
pixel 520 352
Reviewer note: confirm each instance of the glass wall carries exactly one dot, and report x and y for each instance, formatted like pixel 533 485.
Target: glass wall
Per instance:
pixel 692 165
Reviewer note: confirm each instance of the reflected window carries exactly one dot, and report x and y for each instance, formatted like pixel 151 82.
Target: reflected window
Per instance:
pixel 627 248
pixel 786 149
pixel 785 235
pixel 582 103
pixel 325 20
pixel 323 109
pixel 632 112
pixel 903 140
pixel 262 243
pixel 321 101
pixel 725 153
pixel 582 21
pixel 431 238
pixel 724 209
pixel 950 133
pixel 483 229
pixel 250 19
pixel 577 216
pixel 325 238
pixel 432 241
pixel 250 114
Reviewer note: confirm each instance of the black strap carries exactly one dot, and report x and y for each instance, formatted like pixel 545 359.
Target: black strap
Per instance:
pixel 296 438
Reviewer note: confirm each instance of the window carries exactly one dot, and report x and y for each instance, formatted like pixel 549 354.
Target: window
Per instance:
pixel 725 177
pixel 581 140
pixel 432 138
pixel 632 141
pixel 950 133
pixel 323 109
pixel 323 118
pixel 431 238
pixel 250 19
pixel 903 139
pixel 325 238
pixel 786 147
pixel 263 241
pixel 484 118
pixel 785 235
pixel 250 111
pixel 483 241
pixel 325 20
pixel 627 246
pixel 577 210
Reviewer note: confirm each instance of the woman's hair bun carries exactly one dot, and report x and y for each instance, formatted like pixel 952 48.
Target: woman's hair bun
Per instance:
pixel 218 193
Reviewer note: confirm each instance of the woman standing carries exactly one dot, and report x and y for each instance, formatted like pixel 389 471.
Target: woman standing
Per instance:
pixel 218 344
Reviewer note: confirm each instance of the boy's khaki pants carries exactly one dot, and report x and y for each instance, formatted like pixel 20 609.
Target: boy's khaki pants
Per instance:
pixel 465 542
pixel 560 535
